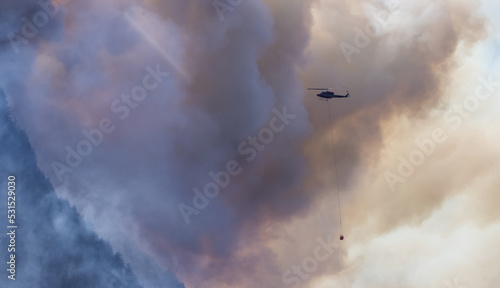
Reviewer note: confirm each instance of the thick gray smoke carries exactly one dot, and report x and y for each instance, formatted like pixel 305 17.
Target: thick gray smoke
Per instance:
pixel 134 106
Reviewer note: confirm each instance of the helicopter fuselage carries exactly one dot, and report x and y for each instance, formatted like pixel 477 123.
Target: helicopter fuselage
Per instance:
pixel 330 95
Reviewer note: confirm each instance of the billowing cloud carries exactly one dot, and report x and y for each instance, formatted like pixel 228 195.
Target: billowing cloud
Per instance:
pixel 140 109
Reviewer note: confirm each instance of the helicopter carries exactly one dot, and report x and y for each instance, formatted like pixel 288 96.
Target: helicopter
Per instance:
pixel 327 94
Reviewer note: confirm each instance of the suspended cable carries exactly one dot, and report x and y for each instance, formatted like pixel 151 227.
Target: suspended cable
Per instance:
pixel 335 164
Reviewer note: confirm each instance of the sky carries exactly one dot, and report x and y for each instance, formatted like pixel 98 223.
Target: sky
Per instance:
pixel 183 131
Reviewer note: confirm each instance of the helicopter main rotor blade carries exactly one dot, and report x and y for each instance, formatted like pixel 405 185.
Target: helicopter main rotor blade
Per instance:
pixel 326 89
